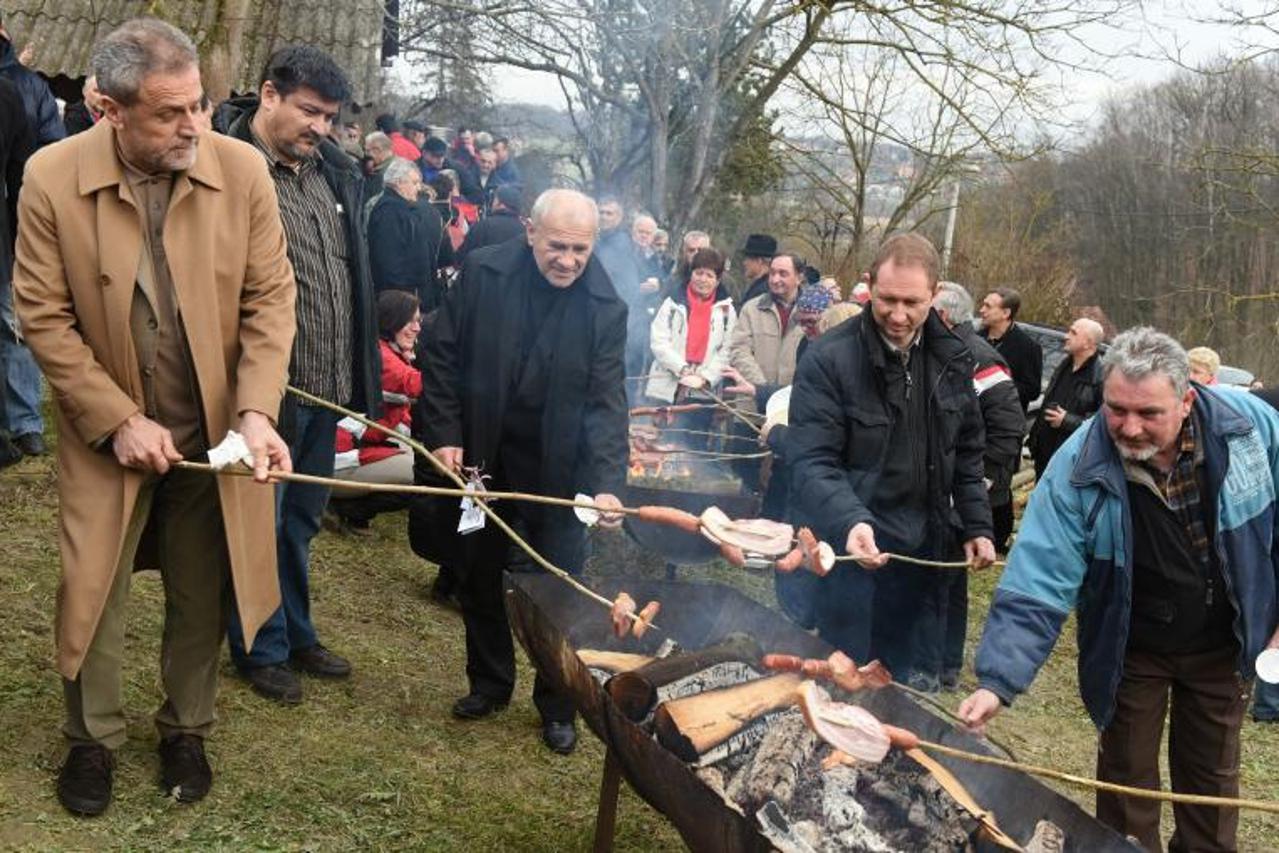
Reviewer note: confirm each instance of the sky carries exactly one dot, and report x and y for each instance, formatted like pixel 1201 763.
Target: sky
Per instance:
pixel 1142 48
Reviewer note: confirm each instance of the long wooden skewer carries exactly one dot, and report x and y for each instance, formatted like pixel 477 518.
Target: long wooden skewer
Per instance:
pixel 452 476
pixel 1097 784
pixel 919 561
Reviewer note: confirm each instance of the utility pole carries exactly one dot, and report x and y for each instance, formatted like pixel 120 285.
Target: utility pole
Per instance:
pixel 949 242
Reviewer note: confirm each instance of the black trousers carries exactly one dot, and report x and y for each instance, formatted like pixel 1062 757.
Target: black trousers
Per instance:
pixel 488 557
pixel 1002 516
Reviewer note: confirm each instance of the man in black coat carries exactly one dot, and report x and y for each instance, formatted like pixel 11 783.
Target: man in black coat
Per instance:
pixel 17 143
pixel 757 256
pixel 886 448
pixel 1005 428
pixel 1073 395
pixel 503 223
pixel 523 378
pixel 406 237
pixel 335 351
pixel 1024 356
pixel 37 97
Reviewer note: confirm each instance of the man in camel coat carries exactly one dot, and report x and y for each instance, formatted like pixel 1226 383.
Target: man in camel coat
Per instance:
pixel 155 292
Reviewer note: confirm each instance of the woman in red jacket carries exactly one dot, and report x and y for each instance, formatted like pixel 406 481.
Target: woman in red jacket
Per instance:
pixel 365 455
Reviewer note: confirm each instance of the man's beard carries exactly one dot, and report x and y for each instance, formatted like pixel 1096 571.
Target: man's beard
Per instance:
pixel 1143 453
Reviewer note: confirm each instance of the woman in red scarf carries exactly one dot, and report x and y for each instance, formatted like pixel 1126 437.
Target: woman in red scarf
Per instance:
pixel 690 334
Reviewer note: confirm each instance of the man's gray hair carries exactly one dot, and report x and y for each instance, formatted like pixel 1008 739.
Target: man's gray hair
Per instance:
pixel 1142 352
pixel 556 196
pixel 956 300
pixel 379 140
pixel 483 140
pixel 689 236
pixel 136 49
pixel 399 171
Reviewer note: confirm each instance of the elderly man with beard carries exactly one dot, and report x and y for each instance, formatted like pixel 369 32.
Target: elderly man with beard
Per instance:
pixel 335 354
pixel 885 446
pixel 1156 522
pixel 155 292
pixel 523 378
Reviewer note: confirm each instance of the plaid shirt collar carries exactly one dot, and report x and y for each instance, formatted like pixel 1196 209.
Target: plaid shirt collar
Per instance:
pixel 1179 487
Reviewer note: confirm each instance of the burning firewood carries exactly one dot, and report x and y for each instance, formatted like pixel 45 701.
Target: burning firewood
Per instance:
pixel 612 661
pixel 720 722
pixel 638 691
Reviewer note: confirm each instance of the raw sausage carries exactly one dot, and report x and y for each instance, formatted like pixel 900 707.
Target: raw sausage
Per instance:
pixel 646 616
pixel 685 521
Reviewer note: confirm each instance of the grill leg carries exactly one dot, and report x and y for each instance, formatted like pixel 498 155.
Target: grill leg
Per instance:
pixel 670 571
pixel 606 817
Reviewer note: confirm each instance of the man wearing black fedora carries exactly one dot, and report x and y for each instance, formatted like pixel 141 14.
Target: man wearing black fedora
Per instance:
pixel 757 254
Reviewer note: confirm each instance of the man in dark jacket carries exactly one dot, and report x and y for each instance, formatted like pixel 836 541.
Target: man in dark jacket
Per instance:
pixel 1005 427
pixel 523 377
pixel 757 255
pixel 335 351
pixel 17 143
pixel 37 97
pixel 1155 523
pixel 1073 395
pixel 1025 358
pixel 886 449
pixel 406 237
pixel 84 114
pixel 503 223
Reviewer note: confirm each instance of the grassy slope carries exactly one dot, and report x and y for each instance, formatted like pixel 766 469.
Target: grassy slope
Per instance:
pixel 374 763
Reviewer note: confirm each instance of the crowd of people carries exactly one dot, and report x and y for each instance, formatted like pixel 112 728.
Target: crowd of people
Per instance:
pixel 177 265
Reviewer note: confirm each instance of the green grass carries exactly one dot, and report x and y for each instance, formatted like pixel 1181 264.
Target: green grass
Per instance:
pixel 376 762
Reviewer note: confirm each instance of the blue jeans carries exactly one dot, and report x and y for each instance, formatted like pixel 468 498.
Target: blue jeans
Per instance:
pixel 21 375
pixel 1265 705
pixel 298 509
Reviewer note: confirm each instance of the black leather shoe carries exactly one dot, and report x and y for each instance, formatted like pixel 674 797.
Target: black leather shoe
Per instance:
pixel 560 738
pixel 10 454
pixel 84 783
pixel 30 443
pixel 321 662
pixel 276 682
pixel 476 706
pixel 184 771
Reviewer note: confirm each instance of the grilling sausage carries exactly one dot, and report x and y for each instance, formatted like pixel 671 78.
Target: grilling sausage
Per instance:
pixel 791 561
pixel 808 542
pixel 783 663
pixel 903 739
pixel 646 617
pixel 734 555
pixel 672 517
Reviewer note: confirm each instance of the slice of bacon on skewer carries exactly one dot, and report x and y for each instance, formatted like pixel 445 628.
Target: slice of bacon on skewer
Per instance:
pixel 623 607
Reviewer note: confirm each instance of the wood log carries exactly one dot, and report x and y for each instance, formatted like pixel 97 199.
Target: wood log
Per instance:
pixel 612 661
pixel 694 726
pixel 637 691
pixel 774 771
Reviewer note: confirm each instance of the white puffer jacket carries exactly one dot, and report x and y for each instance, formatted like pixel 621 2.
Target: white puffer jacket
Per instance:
pixel 669 338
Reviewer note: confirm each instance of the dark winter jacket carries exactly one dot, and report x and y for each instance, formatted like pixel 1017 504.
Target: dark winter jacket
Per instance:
pixel 37 97
pixel 1000 412
pixel 1074 552
pixel 343 176
pixel 76 118
pixel 498 227
pixel 17 143
pixel 1083 403
pixel 1025 359
pixel 405 243
pixel 757 288
pixel 472 353
pixel 841 424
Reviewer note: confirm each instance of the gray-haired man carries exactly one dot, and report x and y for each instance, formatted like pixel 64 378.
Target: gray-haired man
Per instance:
pixel 1156 521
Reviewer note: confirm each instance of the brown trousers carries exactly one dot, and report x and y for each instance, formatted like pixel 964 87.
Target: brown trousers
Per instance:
pixel 1208 703
pixel 182 517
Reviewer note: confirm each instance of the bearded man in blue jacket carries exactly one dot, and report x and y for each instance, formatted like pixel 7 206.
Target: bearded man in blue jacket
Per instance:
pixel 1156 522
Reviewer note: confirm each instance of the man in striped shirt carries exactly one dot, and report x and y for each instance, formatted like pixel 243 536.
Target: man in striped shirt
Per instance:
pixel 335 353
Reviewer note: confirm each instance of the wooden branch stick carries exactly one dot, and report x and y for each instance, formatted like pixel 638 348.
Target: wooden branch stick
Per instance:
pixel 931 564
pixel 401 488
pixel 731 409
pixel 1097 784
pixel 451 475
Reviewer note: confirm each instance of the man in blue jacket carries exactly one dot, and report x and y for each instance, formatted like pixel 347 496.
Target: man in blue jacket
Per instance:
pixel 1156 521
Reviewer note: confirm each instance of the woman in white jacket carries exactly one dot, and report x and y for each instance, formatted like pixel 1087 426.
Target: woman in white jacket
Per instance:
pixel 690 334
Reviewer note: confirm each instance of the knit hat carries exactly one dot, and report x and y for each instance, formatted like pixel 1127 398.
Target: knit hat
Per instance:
pixel 436 146
pixel 813 300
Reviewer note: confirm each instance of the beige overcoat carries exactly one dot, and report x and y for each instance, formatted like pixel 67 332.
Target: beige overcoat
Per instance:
pixel 79 245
